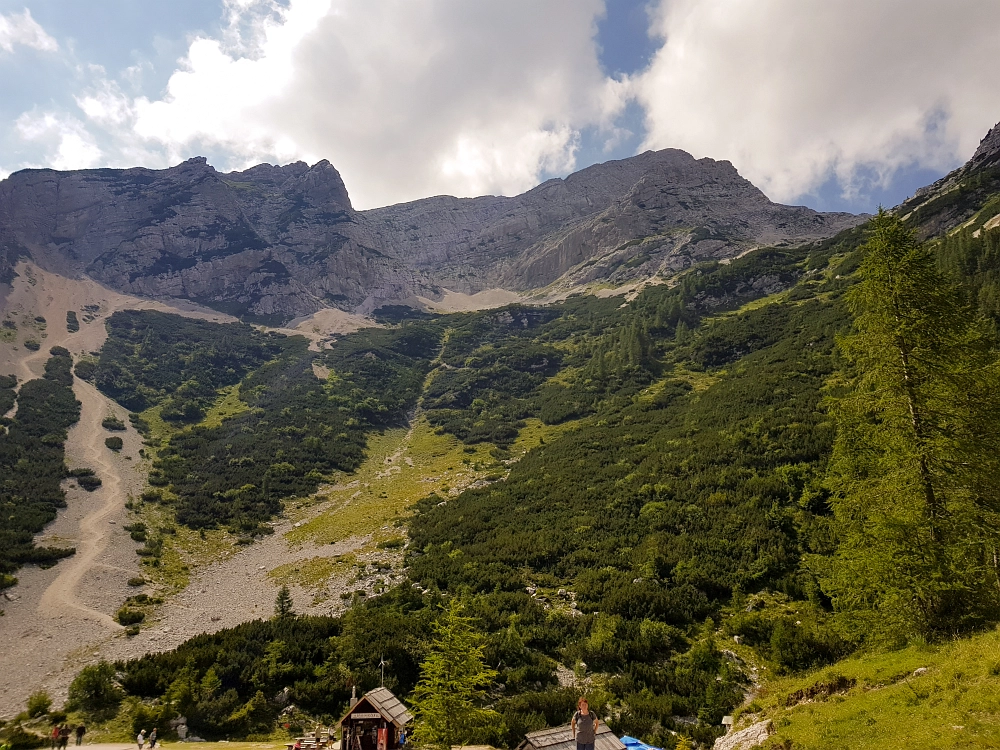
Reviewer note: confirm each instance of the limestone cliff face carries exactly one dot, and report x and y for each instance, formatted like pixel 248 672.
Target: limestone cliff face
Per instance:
pixel 279 242
pixel 680 211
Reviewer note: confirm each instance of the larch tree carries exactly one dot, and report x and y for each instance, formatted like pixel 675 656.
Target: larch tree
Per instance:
pixel 450 699
pixel 916 457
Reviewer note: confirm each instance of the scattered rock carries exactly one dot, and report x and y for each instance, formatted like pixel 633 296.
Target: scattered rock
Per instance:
pixel 919 671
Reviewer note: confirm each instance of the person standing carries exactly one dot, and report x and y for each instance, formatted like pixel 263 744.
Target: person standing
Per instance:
pixel 80 731
pixel 54 737
pixel 140 740
pixel 152 739
pixel 64 734
pixel 584 726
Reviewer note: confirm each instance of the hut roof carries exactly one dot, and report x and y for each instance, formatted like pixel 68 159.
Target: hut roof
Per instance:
pixel 561 738
pixel 387 704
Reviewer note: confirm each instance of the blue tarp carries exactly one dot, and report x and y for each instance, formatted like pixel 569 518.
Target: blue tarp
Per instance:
pixel 633 744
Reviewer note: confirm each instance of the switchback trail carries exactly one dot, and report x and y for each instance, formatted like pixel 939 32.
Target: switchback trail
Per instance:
pixel 86 445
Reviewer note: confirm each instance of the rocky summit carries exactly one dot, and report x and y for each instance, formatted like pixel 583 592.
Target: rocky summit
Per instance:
pixel 279 242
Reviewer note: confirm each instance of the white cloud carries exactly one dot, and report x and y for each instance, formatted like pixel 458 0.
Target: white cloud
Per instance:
pixel 106 104
pixel 405 99
pixel 792 91
pixel 67 143
pixel 21 28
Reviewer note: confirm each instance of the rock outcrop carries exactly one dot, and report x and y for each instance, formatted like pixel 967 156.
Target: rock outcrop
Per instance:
pixel 754 735
pixel 279 242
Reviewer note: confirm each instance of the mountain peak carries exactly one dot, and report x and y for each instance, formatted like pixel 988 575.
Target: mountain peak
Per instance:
pixel 283 241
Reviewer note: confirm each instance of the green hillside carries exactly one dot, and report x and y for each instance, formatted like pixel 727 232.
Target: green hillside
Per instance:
pixel 678 498
pixel 941 696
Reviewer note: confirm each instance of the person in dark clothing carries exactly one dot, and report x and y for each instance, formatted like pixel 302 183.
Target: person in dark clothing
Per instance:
pixel 584 726
pixel 80 731
pixel 64 734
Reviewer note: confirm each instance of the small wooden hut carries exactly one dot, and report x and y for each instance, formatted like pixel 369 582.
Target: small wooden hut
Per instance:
pixel 374 722
pixel 561 738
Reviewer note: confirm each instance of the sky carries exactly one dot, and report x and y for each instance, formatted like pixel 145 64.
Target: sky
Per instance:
pixel 841 105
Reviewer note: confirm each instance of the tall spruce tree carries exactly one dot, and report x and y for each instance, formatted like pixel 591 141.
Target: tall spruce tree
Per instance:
pixel 449 701
pixel 915 461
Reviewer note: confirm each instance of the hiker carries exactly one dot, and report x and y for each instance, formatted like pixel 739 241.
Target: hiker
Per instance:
pixel 80 731
pixel 152 739
pixel 584 726
pixel 140 740
pixel 54 737
pixel 64 734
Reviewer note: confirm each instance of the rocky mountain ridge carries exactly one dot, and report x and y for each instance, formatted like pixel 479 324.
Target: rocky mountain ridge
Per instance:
pixel 961 196
pixel 278 242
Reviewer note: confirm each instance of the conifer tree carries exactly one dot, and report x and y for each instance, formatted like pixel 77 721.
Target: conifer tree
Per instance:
pixel 449 701
pixel 916 453
pixel 283 603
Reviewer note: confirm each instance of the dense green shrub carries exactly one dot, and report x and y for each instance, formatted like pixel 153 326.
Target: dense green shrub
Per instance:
pixel 32 463
pixel 85 369
pixel 129 616
pixel 72 323
pixel 89 483
pixel 18 738
pixel 114 443
pixel 94 690
pixel 792 644
pixel 138 533
pixel 39 703
pixel 113 423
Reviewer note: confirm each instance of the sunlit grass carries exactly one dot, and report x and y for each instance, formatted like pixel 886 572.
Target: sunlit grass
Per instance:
pixel 699 379
pixel 227 405
pixel 954 704
pixel 159 429
pixel 757 304
pixel 535 433
pixel 401 467
pixel 314 572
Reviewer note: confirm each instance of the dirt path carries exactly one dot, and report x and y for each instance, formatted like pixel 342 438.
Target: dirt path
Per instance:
pixel 57 620
pixel 86 443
